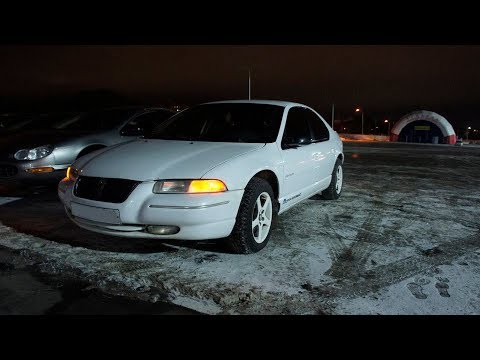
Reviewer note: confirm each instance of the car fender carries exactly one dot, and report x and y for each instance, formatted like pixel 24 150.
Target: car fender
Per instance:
pixel 237 172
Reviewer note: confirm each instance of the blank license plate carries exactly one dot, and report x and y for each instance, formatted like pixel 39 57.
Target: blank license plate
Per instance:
pixel 109 216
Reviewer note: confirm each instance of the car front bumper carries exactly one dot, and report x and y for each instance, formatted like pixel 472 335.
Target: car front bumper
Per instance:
pixel 11 170
pixel 199 216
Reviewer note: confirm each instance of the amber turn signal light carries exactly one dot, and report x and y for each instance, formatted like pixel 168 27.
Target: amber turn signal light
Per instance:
pixel 40 170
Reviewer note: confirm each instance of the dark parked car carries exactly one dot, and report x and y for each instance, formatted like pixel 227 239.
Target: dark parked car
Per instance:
pixel 13 123
pixel 43 149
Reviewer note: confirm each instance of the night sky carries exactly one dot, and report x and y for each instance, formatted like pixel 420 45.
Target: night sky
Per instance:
pixel 386 81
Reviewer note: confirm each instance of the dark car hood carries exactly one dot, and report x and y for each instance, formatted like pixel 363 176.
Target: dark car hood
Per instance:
pixel 11 143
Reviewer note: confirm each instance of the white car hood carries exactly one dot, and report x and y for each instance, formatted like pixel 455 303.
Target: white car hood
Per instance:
pixel 152 159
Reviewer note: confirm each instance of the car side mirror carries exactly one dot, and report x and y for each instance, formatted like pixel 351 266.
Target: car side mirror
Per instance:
pixel 303 141
pixel 292 143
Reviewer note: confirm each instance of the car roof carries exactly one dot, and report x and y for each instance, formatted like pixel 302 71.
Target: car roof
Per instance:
pixel 155 108
pixel 131 108
pixel 266 102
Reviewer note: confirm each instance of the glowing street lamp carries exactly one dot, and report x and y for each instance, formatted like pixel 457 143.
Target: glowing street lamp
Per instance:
pixel 388 126
pixel 359 110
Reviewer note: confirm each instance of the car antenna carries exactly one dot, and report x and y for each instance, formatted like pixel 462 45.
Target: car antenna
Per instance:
pixel 249 85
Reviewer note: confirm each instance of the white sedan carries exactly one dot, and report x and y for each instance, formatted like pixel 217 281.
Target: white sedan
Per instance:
pixel 216 170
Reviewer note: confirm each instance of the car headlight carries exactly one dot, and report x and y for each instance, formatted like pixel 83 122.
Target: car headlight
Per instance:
pixel 189 186
pixel 72 173
pixel 34 154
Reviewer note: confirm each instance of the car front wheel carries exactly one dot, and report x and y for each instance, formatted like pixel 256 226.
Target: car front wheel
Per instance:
pixel 334 190
pixel 255 217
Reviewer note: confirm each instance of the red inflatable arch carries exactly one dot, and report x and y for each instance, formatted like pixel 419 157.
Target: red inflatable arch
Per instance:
pixel 449 136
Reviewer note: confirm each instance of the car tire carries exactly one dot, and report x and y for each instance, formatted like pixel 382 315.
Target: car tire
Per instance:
pixel 334 190
pixel 253 228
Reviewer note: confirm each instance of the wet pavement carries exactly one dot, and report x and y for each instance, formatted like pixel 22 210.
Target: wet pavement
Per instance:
pixel 26 291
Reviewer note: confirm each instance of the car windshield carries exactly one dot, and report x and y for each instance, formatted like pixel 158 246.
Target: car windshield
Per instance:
pixel 95 120
pixel 9 124
pixel 32 122
pixel 223 122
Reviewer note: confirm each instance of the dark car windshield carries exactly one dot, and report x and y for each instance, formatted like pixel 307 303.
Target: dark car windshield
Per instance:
pixel 12 123
pixel 223 122
pixel 95 120
pixel 33 122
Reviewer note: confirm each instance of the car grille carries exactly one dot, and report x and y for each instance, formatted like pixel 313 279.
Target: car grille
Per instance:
pixel 104 189
pixel 8 171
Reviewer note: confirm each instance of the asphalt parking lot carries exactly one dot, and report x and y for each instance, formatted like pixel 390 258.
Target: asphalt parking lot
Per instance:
pixel 404 238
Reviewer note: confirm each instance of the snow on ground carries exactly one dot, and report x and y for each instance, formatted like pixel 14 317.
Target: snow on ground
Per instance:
pixel 445 290
pixel 403 239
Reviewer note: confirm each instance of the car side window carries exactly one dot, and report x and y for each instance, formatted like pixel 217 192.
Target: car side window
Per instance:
pixel 319 129
pixel 145 123
pixel 297 130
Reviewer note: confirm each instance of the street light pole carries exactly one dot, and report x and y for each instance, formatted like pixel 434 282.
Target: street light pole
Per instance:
pixel 358 110
pixel 249 85
pixel 333 113
pixel 388 121
pixel 362 122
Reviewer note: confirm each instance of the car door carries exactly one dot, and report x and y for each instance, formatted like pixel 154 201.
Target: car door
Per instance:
pixel 297 153
pixel 323 153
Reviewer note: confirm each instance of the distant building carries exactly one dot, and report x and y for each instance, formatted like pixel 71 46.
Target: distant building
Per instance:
pixel 423 127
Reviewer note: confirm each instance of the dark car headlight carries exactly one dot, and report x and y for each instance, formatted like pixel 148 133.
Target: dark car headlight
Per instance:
pixel 34 154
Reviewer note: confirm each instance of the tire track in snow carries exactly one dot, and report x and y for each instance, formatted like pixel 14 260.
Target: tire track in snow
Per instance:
pixel 352 262
pixel 398 271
